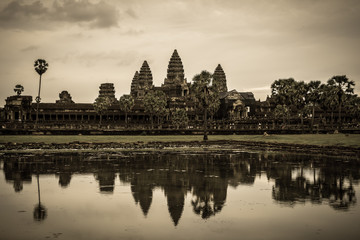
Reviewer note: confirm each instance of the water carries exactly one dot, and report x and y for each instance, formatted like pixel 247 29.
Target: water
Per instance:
pixel 147 195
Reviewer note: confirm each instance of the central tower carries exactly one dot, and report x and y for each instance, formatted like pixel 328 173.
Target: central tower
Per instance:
pixel 175 84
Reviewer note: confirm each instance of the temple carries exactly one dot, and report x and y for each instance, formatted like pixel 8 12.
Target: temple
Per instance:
pixel 234 105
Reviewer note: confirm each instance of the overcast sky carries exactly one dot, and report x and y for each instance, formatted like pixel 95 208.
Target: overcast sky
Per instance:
pixel 89 42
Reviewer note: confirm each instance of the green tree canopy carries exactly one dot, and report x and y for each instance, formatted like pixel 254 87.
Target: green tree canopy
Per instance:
pixel 179 117
pixel 155 104
pixel 126 104
pixel 101 105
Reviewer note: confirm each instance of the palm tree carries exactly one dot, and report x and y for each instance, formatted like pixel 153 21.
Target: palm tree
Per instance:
pixel 200 88
pixel 300 100
pixel 314 92
pixel 214 102
pixel 281 111
pixel 102 104
pixel 352 106
pixel 126 105
pixel 179 117
pixel 343 87
pixel 155 104
pixel 40 67
pixel 40 211
pixel 328 100
pixel 18 89
pixel 284 93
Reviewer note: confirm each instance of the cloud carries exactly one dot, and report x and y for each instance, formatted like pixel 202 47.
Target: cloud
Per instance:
pixel 29 48
pixel 44 16
pixel 97 15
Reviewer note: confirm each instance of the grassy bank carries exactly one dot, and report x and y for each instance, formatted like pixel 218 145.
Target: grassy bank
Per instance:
pixel 352 140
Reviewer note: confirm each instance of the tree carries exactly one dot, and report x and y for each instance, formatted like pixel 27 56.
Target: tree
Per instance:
pixel 40 211
pixel 300 100
pixel 328 100
pixel 101 105
pixel 18 89
pixel 281 111
pixel 126 104
pixel 343 87
pixel 214 102
pixel 313 96
pixel 179 117
pixel 283 93
pixel 155 104
pixel 200 89
pixel 41 67
pixel 352 106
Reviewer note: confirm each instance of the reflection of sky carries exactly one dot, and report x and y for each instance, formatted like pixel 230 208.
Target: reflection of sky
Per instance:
pixel 81 212
pixel 307 173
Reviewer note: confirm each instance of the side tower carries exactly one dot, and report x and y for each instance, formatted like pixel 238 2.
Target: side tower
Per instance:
pixel 219 79
pixel 107 90
pixel 142 81
pixel 134 85
pixel 175 84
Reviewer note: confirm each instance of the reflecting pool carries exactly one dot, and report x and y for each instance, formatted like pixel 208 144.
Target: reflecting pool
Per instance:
pixel 163 195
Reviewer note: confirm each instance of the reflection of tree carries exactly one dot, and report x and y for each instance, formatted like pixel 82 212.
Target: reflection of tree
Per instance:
pixel 333 183
pixel 210 185
pixel 297 178
pixel 40 211
pixel 209 197
pixel 64 179
pixel 18 173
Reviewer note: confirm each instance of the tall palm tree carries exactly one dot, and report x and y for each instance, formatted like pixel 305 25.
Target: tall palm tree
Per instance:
pixel 101 105
pixel 328 100
pixel 344 87
pixel 200 88
pixel 126 104
pixel 40 67
pixel 300 100
pixel 18 89
pixel 314 92
pixel 40 211
pixel 155 105
pixel 284 93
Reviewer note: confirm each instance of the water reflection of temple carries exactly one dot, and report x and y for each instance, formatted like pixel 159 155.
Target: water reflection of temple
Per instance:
pixel 205 176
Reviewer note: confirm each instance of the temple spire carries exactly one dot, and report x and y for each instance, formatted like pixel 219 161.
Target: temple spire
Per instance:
pixel 142 81
pixel 175 71
pixel 134 84
pixel 219 79
pixel 145 76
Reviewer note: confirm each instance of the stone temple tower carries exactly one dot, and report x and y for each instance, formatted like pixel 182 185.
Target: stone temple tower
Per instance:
pixel 134 85
pixel 175 84
pixel 219 79
pixel 107 90
pixel 142 81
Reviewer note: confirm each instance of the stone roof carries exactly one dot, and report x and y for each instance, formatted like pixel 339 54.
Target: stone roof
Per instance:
pixel 246 97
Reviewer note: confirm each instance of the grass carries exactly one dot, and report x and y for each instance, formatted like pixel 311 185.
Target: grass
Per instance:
pixel 352 140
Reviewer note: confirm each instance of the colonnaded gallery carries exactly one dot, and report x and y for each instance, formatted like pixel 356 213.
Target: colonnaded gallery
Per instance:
pixel 234 105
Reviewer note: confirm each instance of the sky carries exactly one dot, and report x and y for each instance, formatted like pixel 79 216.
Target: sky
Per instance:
pixel 89 42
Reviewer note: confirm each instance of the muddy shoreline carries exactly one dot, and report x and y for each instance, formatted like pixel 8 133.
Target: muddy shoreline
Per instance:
pixel 215 146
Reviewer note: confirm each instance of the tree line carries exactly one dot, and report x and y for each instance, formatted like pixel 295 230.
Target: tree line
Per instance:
pixel 300 99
